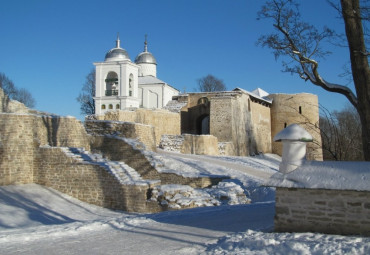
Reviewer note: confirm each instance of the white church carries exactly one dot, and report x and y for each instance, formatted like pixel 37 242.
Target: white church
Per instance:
pixel 122 84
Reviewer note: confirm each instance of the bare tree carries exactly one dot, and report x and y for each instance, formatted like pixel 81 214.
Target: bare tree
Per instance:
pixel 25 97
pixel 85 98
pixel 7 85
pixel 341 134
pixel 301 43
pixel 210 83
pixel 21 95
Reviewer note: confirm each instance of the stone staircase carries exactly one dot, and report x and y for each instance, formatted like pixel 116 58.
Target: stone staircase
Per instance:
pixel 123 172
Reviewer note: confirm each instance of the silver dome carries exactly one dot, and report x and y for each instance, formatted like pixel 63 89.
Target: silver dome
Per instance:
pixel 146 58
pixel 116 54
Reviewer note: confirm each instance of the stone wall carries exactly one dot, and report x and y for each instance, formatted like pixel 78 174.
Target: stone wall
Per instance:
pixel 302 109
pixel 200 145
pixel 21 135
pixel 221 118
pixel 119 150
pixel 261 119
pixel 143 133
pixel 88 182
pixel 326 211
pixel 163 121
pixel 17 149
pixel 11 106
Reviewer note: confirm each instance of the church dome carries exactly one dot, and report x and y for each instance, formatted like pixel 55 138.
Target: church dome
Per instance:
pixel 145 57
pixel 117 53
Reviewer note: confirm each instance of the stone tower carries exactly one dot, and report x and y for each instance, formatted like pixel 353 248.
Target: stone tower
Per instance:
pixel 302 109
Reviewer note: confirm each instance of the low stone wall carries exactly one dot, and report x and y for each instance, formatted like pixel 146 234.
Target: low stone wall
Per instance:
pixel 194 182
pixel 326 211
pixel 118 150
pixel 163 121
pixel 143 133
pixel 91 183
pixel 22 134
pixel 193 144
pixel 200 145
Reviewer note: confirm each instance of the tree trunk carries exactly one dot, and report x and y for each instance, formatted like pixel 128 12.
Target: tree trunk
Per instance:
pixel 360 66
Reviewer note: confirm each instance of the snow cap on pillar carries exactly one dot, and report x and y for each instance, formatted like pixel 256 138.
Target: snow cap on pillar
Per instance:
pixel 294 139
pixel 293 132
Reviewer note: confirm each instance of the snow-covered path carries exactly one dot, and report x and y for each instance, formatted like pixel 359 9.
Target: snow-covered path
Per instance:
pixel 261 175
pixel 93 229
pixel 39 220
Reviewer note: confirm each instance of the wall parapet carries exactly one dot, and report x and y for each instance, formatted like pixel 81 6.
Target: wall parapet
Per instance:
pixel 342 212
pixel 143 133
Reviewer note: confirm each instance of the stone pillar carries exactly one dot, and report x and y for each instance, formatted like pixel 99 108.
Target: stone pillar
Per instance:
pixel 294 139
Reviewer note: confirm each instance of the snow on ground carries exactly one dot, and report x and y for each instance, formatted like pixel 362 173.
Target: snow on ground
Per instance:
pixel 39 220
pixel 250 172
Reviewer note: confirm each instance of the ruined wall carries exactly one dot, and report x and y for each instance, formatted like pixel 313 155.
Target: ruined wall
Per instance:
pixel 200 145
pixel 302 109
pixel 342 212
pixel 21 135
pixel 11 106
pixel 143 133
pixel 234 118
pixel 90 183
pixel 118 150
pixel 163 121
pixel 261 119
pixel 17 145
pixel 221 118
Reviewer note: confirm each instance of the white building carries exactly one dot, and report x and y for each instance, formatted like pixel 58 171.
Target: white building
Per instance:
pixel 122 84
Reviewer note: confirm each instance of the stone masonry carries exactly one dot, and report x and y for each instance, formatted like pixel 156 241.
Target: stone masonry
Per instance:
pixel 342 212
pixel 143 133
pixel 163 121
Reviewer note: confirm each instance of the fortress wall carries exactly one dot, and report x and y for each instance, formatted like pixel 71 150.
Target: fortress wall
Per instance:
pixel 221 118
pixel 17 149
pixel 242 127
pixel 118 150
pixel 11 106
pixel 261 119
pixel 22 134
pixel 302 109
pixel 200 145
pixel 232 120
pixel 144 133
pixel 61 132
pixel 163 121
pixel 90 183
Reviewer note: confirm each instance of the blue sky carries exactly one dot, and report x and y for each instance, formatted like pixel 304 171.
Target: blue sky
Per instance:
pixel 48 47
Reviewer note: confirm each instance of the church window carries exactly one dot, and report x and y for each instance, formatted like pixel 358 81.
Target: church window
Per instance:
pixel 130 85
pixel 110 106
pixel 117 106
pixel 103 107
pixel 111 84
pixel 249 105
pixel 285 125
pixel 300 110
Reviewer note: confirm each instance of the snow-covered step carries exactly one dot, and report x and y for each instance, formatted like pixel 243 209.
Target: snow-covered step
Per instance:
pixel 124 173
